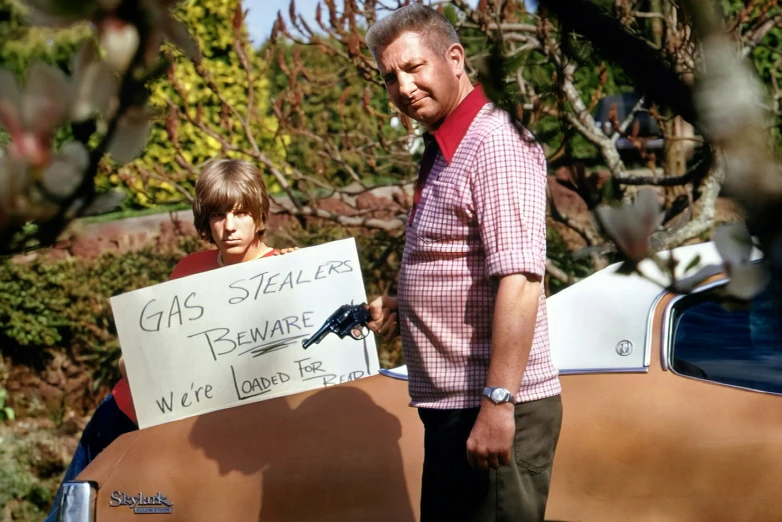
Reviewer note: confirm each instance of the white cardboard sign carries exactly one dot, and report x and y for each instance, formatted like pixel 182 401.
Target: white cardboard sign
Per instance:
pixel 233 335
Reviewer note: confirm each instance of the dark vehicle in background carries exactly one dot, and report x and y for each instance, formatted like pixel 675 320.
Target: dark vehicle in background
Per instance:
pixel 643 134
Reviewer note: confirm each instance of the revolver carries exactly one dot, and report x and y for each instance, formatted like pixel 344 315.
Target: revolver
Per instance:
pixel 347 320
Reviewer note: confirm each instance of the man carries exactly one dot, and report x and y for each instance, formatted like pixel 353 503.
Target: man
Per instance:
pixel 470 305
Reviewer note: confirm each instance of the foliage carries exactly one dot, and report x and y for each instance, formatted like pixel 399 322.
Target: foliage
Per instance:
pixel 23 44
pixel 30 468
pixel 6 412
pixel 44 304
pixel 48 174
pixel 330 111
pixel 167 169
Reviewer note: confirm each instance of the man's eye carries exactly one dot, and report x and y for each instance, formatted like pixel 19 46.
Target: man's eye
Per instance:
pixel 389 79
pixel 217 215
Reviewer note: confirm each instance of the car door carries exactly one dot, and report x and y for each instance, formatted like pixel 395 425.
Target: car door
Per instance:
pixel 697 437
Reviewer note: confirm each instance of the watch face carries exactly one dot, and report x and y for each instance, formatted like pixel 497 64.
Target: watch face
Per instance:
pixel 497 394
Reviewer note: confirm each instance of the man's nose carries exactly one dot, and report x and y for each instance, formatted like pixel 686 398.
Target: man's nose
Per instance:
pixel 406 85
pixel 230 221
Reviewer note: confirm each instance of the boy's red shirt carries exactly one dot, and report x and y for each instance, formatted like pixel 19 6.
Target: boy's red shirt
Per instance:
pixel 193 264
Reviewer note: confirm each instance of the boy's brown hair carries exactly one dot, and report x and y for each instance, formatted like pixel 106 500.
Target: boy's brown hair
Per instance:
pixel 230 184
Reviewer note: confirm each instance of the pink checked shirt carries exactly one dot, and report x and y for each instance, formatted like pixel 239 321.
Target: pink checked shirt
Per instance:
pixel 481 215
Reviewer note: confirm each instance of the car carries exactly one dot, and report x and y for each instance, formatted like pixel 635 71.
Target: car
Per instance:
pixel 672 412
pixel 644 127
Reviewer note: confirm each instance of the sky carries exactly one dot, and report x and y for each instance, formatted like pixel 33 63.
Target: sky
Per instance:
pixel 262 14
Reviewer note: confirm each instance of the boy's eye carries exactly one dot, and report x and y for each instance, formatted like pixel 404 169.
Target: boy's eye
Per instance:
pixel 218 215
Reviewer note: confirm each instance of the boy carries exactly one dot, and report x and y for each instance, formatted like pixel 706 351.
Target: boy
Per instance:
pixel 230 210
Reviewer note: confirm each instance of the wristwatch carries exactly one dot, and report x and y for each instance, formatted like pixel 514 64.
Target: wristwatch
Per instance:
pixel 498 395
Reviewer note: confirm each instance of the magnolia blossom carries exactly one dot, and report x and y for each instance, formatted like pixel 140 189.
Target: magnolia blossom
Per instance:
pixel 94 84
pixel 65 173
pixel 734 244
pixel 31 115
pixel 56 13
pixel 130 136
pixel 729 97
pixel 631 226
pixel 24 200
pixel 120 38
pixel 164 25
pixel 747 278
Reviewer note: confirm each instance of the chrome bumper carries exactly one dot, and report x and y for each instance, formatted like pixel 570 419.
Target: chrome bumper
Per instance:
pixel 77 503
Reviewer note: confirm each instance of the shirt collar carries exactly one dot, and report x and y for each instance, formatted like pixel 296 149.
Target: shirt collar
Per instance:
pixel 455 126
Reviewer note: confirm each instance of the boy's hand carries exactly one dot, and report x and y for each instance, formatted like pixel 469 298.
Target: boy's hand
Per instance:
pixel 384 317
pixel 122 366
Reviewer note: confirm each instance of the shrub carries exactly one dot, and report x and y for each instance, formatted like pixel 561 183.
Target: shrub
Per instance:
pixel 65 304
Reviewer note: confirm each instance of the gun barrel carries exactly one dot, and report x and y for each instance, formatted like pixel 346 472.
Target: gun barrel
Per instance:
pixel 322 332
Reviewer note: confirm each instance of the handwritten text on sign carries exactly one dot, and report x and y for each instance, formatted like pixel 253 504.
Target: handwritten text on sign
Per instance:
pixel 233 335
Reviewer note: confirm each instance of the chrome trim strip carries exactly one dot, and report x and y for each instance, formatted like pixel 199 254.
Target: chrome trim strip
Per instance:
pixel 78 500
pixel 650 328
pixel 667 333
pixel 725 384
pixel 643 369
pixel 391 373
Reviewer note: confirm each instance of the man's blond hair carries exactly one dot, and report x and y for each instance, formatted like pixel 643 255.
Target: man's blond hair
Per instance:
pixel 226 185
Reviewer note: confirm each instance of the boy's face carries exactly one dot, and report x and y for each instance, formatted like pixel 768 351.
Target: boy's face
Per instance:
pixel 236 235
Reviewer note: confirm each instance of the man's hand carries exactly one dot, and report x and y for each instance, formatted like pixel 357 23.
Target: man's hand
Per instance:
pixel 384 317
pixel 492 436
pixel 283 251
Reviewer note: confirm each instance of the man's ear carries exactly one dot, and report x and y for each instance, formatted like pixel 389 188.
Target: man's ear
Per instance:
pixel 455 56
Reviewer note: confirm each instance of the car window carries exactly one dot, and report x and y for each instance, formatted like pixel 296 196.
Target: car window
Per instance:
pixel 727 342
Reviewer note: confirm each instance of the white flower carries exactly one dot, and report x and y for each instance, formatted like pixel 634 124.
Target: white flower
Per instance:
pixel 66 171
pixel 23 200
pixel 631 226
pixel 13 181
pixel 130 136
pixel 120 37
pixel 93 86
pixel 120 40
pixel 728 96
pixel 165 26
pixel 30 116
pixel 734 244
pixel 747 278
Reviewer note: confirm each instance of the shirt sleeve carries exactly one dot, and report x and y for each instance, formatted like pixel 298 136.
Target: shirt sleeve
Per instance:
pixel 509 195
pixel 180 270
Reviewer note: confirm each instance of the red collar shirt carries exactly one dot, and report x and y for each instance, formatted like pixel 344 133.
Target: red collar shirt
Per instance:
pixel 479 215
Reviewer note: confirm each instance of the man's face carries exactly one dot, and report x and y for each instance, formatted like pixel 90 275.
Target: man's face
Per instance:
pixel 421 83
